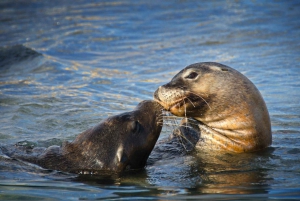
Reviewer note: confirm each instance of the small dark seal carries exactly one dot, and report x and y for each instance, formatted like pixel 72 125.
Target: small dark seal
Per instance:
pixel 118 143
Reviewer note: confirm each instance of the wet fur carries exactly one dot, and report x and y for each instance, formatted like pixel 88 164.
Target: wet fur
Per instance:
pixel 230 113
pixel 120 142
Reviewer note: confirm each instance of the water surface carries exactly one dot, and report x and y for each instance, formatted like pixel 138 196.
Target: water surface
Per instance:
pixel 89 60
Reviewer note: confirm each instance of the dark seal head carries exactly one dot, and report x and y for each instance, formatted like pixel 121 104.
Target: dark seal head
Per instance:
pixel 120 142
pixel 230 112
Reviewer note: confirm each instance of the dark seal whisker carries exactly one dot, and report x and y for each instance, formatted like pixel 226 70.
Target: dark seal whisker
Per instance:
pixel 199 97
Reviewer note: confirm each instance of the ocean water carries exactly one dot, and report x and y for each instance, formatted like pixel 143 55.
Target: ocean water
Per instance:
pixel 66 65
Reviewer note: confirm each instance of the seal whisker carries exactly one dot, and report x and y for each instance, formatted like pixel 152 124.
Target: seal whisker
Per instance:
pixel 190 101
pixel 201 98
pixel 188 91
pixel 175 124
pixel 193 123
pixel 185 113
pixel 178 105
pixel 169 126
pixel 181 137
pixel 171 117
pixel 181 141
pixel 160 123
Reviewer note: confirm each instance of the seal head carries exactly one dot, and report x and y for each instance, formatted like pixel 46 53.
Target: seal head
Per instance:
pixel 230 111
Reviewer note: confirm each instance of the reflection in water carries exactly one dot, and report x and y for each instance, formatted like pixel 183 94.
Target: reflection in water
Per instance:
pixel 235 173
pixel 211 172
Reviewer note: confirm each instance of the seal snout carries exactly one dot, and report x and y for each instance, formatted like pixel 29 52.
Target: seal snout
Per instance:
pixel 156 96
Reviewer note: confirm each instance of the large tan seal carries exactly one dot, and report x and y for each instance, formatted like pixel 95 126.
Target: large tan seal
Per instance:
pixel 228 110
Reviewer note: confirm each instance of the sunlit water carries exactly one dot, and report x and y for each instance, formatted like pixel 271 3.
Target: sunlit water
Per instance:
pixel 94 59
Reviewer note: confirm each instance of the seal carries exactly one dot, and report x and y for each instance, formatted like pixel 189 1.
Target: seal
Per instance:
pixel 221 104
pixel 118 143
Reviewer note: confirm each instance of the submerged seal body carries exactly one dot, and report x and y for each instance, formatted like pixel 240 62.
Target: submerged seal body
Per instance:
pixel 120 142
pixel 228 110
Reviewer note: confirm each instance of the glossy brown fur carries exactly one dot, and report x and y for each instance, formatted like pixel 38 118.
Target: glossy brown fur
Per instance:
pixel 231 113
pixel 120 142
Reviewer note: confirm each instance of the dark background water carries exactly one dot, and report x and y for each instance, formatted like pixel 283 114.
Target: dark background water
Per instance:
pixel 93 59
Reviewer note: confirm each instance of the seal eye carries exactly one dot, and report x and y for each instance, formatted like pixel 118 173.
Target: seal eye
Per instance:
pixel 192 75
pixel 134 126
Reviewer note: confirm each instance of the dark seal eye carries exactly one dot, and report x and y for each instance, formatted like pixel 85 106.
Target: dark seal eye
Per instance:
pixel 192 75
pixel 134 126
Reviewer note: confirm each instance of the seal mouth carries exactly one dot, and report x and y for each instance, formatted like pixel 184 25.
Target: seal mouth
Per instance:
pixel 178 103
pixel 183 101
